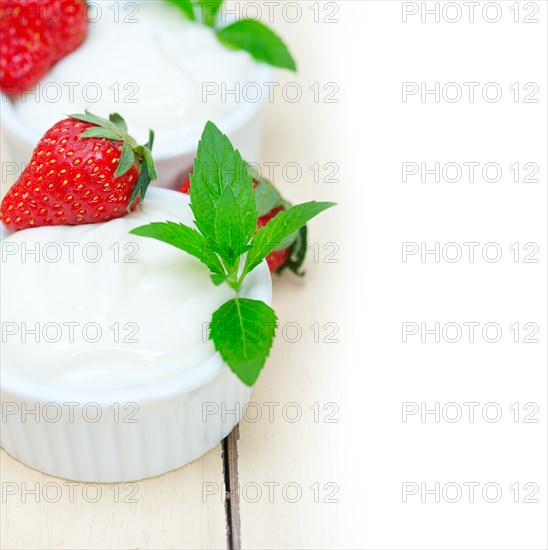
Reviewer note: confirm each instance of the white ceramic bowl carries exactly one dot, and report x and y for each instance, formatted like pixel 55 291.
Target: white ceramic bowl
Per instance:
pixel 244 127
pixel 126 435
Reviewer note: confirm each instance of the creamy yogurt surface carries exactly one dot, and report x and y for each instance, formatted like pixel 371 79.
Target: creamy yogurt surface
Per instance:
pixel 150 64
pixel 94 307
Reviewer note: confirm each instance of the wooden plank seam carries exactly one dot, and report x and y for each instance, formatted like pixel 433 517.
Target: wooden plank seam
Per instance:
pixel 230 472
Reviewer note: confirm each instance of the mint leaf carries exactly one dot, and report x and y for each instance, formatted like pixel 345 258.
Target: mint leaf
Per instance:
pixel 231 239
pixel 262 43
pixel 269 237
pixel 288 241
pixel 186 7
pixel 209 10
pixel 184 238
pixel 242 331
pixel 127 160
pixel 218 165
pixel 218 279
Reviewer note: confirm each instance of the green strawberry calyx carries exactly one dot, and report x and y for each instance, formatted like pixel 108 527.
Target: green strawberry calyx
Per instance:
pixel 115 128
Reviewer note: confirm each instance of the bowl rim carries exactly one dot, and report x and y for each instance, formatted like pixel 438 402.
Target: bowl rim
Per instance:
pixel 258 286
pixel 229 123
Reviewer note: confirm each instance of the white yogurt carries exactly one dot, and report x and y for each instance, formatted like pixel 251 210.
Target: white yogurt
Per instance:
pixel 149 65
pixel 148 300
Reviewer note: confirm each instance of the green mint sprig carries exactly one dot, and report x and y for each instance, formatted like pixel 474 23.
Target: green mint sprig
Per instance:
pixel 115 128
pixel 226 240
pixel 246 34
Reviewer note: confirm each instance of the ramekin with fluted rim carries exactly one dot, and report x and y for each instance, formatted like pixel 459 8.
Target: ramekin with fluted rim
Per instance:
pixel 125 435
pixel 244 126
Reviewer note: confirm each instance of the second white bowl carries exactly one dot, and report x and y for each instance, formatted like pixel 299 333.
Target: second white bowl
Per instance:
pixel 244 126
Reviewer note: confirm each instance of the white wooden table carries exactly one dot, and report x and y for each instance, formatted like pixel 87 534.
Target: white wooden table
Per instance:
pixel 287 462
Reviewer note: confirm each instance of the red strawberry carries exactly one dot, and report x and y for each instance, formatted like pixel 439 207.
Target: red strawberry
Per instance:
pixel 277 258
pixel 185 188
pixel 84 170
pixel 269 204
pixel 26 46
pixel 73 25
pixel 34 34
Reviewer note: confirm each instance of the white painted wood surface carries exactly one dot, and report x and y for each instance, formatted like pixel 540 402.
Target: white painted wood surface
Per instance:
pixel 294 491
pixel 43 512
